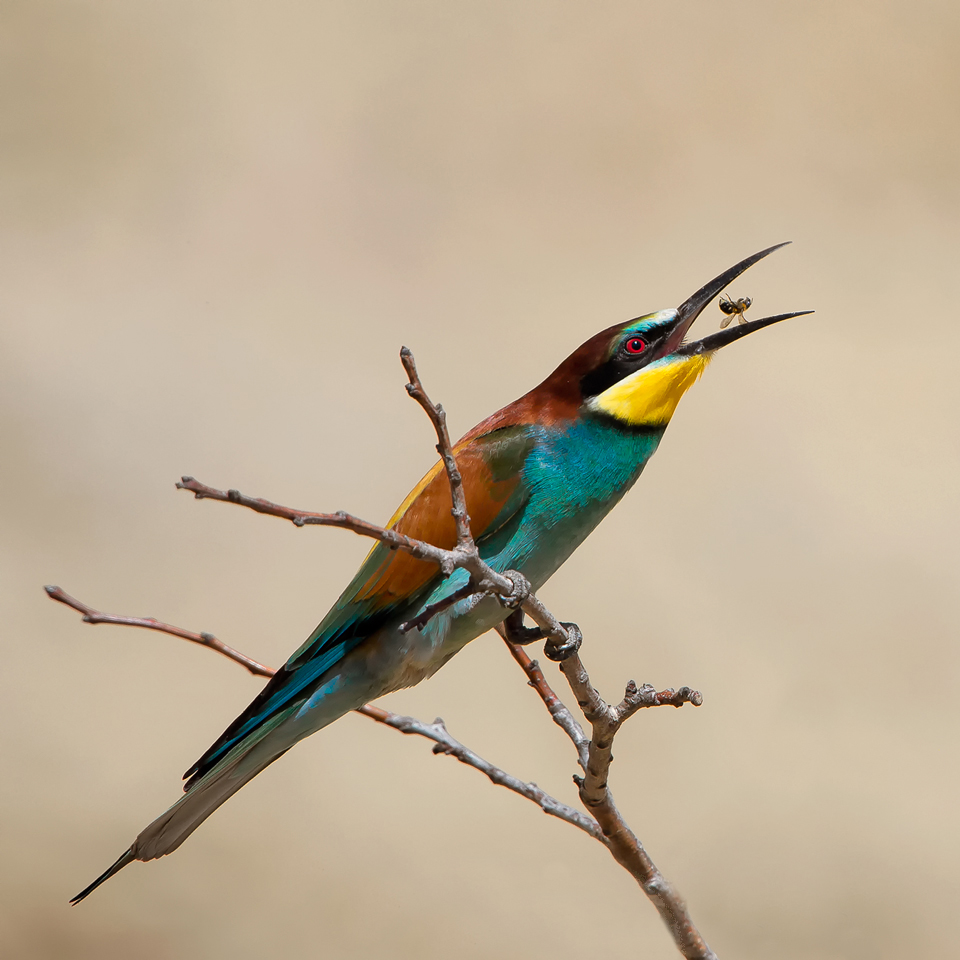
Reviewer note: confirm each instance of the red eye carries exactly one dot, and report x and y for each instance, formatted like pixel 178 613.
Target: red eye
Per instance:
pixel 635 345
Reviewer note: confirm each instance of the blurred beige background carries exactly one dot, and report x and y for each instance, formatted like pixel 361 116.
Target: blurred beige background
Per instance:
pixel 219 223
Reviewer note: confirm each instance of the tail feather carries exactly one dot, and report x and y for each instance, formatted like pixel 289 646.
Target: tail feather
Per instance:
pixel 172 827
pixel 128 857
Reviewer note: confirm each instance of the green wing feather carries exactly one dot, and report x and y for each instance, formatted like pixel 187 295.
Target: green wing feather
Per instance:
pixel 391 582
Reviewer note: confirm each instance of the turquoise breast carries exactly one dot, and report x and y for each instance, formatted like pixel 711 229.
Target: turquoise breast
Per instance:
pixel 573 477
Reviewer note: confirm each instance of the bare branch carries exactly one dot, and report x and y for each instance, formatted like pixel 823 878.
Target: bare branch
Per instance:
pixel 595 757
pixel 436 731
pixel 637 698
pixel 204 639
pixel 606 720
pixel 486 578
pixel 623 844
pixel 431 610
pixel 303 518
pixel 558 710
pixel 438 418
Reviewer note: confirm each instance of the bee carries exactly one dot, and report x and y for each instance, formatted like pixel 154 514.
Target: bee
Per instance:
pixel 734 308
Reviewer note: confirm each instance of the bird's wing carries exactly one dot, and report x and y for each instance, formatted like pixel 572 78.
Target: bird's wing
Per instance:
pixel 391 581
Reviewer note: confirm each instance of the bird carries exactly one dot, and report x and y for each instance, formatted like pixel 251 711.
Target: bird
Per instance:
pixel 538 476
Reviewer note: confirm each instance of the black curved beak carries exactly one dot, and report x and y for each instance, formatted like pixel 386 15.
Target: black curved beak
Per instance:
pixel 722 337
pixel 692 307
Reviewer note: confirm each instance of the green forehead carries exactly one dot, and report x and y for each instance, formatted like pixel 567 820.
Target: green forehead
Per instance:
pixel 651 322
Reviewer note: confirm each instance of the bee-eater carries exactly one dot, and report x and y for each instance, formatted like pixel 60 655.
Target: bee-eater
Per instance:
pixel 538 475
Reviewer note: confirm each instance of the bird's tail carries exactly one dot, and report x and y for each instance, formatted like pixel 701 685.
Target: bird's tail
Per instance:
pixel 170 829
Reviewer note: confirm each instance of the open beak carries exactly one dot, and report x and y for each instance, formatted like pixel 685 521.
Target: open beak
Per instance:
pixel 690 309
pixel 722 337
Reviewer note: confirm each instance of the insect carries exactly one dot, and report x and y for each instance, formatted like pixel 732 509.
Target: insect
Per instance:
pixel 734 308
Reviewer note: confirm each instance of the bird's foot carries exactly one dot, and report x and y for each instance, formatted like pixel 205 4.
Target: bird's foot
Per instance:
pixel 558 652
pixel 521 590
pixel 518 633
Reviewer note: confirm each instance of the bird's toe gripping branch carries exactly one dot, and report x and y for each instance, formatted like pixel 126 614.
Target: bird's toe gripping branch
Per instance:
pixel 521 590
pixel 558 652
pixel 517 633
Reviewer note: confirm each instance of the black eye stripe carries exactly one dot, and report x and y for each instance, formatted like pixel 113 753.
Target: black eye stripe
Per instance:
pixel 623 362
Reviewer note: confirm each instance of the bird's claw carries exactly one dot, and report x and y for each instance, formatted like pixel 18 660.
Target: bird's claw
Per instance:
pixel 519 634
pixel 558 652
pixel 521 590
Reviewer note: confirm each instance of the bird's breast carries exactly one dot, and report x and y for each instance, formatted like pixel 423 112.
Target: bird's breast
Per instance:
pixel 575 477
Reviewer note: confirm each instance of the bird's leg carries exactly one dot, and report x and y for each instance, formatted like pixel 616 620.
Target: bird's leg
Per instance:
pixel 519 634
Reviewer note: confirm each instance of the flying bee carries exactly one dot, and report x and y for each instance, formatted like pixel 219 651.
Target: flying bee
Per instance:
pixel 734 308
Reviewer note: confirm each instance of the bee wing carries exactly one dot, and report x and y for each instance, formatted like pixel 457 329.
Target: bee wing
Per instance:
pixel 726 320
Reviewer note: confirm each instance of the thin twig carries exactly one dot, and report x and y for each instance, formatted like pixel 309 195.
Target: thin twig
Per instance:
pixel 438 418
pixel 204 639
pixel 486 578
pixel 436 731
pixel 431 610
pixel 558 710
pixel 304 518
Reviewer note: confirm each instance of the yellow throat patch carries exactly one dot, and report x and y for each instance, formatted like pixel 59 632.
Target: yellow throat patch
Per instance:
pixel 648 397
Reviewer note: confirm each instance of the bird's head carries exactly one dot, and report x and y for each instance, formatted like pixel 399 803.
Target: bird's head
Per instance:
pixel 636 372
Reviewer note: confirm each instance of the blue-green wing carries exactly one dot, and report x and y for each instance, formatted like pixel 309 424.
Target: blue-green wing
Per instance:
pixel 391 584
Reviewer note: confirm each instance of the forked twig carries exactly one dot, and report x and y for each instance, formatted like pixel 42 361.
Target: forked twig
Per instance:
pixel 438 418
pixel 623 843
